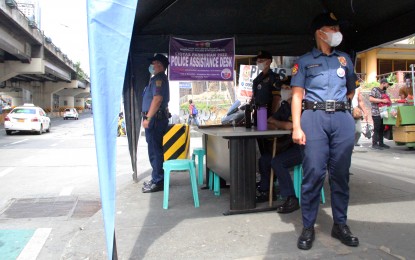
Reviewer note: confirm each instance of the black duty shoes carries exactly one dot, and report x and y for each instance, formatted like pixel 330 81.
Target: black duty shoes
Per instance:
pixel 291 204
pixel 148 183
pixel 343 233
pixel 153 187
pixel 384 146
pixel 377 147
pixel 305 241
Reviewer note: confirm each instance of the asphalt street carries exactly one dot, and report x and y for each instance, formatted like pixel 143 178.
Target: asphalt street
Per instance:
pixel 381 211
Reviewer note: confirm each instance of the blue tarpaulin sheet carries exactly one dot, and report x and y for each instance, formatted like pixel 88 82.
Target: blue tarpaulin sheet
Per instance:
pixel 110 24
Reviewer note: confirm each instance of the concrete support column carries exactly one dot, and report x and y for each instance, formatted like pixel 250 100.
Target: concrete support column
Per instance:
pixel 371 65
pixel 79 102
pixel 66 101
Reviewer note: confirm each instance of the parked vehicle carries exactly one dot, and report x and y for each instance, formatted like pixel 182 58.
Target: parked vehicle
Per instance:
pixel 27 118
pixel 70 113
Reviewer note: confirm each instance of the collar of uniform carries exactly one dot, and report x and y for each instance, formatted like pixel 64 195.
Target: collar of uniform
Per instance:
pixel 316 52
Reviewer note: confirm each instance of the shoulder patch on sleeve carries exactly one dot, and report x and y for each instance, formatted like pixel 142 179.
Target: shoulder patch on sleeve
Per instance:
pixel 159 83
pixel 294 70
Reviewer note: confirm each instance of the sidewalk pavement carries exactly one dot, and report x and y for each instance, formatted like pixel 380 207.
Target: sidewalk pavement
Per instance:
pixel 381 214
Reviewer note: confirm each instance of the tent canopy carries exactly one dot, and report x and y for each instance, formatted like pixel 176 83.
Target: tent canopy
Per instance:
pixel 282 27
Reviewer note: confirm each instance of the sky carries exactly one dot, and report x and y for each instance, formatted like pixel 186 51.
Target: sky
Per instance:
pixel 65 22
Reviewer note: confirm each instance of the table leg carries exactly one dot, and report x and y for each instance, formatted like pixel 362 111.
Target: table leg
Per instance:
pixel 242 167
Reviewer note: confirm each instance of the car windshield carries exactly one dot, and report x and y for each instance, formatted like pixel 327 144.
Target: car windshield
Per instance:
pixel 24 111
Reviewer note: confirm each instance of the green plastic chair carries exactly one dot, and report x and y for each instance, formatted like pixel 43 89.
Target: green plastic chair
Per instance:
pixel 298 179
pixel 214 182
pixel 200 153
pixel 179 165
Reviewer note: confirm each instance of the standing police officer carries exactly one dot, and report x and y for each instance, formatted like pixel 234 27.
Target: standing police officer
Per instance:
pixel 156 97
pixel 325 78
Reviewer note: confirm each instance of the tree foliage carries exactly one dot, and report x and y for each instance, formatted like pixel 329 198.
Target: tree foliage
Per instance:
pixel 80 73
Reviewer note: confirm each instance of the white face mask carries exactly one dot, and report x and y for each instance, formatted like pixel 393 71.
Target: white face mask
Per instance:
pixel 261 65
pixel 151 69
pixel 333 39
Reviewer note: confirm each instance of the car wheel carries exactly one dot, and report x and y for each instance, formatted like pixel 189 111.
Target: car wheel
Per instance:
pixel 8 132
pixel 40 130
pixel 48 130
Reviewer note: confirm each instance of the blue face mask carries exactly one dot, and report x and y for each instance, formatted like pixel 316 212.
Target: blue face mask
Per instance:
pixel 151 69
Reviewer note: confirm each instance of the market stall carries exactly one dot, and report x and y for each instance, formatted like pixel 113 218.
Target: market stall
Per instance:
pixel 402 120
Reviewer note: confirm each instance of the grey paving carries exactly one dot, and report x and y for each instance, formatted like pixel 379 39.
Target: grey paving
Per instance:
pixel 381 214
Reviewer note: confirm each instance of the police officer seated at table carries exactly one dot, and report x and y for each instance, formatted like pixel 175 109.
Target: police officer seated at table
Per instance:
pixel 156 98
pixel 323 82
pixel 287 156
pixel 266 92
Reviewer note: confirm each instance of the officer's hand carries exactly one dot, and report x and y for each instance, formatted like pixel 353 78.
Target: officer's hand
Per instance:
pixel 298 136
pixel 146 123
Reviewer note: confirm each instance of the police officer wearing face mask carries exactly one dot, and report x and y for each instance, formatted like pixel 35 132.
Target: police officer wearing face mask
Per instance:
pixel 266 92
pixel 156 97
pixel 323 82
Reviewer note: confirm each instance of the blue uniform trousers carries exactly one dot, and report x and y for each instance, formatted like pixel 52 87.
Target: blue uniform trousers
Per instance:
pixel 281 165
pixel 329 145
pixel 154 137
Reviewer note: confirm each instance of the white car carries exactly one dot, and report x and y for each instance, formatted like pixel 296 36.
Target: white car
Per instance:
pixel 27 118
pixel 70 113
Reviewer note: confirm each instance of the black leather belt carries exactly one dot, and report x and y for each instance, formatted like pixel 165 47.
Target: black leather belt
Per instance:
pixel 328 106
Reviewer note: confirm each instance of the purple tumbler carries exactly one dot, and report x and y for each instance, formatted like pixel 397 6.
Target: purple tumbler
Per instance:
pixel 262 119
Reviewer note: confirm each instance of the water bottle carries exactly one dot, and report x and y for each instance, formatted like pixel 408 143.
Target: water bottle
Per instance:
pixel 248 116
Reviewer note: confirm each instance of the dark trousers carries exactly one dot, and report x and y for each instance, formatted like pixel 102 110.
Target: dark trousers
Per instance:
pixel 281 165
pixel 329 146
pixel 154 137
pixel 378 128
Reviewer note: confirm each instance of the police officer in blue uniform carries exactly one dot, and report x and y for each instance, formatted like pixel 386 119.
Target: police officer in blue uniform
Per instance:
pixel 156 97
pixel 323 82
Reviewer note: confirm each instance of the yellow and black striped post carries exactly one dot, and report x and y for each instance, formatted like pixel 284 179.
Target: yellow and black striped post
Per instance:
pixel 176 142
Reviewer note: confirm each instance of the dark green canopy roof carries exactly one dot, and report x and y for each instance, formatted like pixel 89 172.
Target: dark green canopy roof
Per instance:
pixel 282 26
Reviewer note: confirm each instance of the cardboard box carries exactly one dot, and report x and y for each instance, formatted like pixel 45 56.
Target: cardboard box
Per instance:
pixel 404 134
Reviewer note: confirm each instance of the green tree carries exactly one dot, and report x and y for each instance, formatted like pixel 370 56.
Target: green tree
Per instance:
pixel 80 73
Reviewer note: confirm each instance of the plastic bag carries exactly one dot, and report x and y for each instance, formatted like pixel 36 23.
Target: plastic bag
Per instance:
pixel 384 112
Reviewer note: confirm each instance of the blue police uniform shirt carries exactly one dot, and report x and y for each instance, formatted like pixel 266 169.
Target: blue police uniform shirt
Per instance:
pixel 158 86
pixel 324 77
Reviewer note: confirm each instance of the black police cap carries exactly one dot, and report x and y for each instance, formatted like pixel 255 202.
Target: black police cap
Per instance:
pixel 264 55
pixel 161 58
pixel 325 19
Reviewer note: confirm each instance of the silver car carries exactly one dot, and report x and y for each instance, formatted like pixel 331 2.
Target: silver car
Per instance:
pixel 27 118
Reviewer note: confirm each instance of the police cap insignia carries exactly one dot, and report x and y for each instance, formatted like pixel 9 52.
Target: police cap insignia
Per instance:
pixel 325 19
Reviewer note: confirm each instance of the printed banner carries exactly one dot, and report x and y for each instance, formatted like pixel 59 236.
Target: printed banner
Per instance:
pixel 201 60
pixel 248 73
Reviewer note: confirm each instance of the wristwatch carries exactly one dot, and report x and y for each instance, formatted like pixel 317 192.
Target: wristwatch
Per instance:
pixel 148 118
